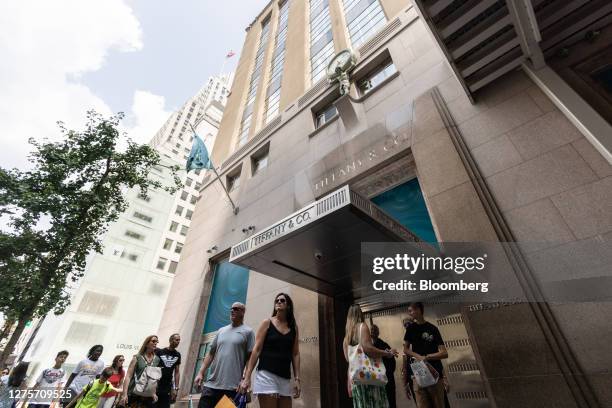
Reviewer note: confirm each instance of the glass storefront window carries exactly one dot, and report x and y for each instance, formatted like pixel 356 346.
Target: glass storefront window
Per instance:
pixel 406 204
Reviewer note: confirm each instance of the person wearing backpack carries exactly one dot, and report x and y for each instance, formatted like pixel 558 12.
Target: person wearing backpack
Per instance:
pixel 90 395
pixel 143 374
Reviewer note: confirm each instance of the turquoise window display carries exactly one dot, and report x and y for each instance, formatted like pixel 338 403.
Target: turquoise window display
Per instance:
pixel 406 204
pixel 230 285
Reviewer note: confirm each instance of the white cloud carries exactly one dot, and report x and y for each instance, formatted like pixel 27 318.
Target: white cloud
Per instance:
pixel 45 47
pixel 148 115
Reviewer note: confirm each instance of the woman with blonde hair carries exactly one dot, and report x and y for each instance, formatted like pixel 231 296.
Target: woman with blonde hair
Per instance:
pixel 146 357
pixel 358 334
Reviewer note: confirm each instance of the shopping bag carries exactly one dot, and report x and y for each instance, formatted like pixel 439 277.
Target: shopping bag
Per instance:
pixel 240 400
pixel 424 374
pixel 363 369
pixel 225 402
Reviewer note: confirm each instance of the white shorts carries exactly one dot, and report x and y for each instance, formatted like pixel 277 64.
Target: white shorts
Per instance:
pixel 269 383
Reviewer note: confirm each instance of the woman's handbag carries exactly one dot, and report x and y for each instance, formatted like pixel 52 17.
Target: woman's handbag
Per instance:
pixel 146 384
pixel 365 370
pixel 424 374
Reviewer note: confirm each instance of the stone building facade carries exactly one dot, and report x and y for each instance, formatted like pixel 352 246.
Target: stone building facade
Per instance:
pixel 457 104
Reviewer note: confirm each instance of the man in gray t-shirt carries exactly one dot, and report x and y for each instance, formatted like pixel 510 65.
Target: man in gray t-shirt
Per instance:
pixel 229 353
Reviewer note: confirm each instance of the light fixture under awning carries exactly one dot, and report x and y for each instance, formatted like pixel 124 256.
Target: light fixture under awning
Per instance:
pixel 319 246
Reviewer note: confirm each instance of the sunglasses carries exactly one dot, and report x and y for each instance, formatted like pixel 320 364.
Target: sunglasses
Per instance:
pixel 237 309
pixel 280 300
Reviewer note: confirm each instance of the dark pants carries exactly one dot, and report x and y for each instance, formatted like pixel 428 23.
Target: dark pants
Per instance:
pixel 164 399
pixel 136 401
pixel 390 388
pixel 211 396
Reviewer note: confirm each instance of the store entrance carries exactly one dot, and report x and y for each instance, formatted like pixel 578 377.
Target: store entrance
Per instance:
pixel 465 384
pixel 319 248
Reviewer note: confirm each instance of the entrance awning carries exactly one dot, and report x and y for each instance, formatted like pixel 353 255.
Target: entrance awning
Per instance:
pixel 319 246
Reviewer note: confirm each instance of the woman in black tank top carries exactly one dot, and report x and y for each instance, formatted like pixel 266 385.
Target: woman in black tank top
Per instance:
pixel 277 350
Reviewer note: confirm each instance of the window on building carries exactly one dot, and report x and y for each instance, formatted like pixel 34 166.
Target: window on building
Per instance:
pixel 364 18
pixel 184 230
pixel 168 244
pixel 193 199
pixel 142 216
pixel 135 235
pixel 174 151
pixel 198 185
pixel 321 39
pixel 184 195
pixel 178 248
pixel 98 303
pixel 189 214
pixel 174 226
pixel 172 268
pixel 197 171
pixel 188 182
pixel 157 288
pixel 377 76
pixel 84 333
pixel 233 181
pixel 178 145
pixel 247 115
pixel 161 263
pixel 143 197
pixel 131 257
pixel 325 115
pixel 406 204
pixel 259 160
pixel 179 210
pixel 272 102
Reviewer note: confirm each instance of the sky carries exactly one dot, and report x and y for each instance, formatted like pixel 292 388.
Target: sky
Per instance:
pixel 59 58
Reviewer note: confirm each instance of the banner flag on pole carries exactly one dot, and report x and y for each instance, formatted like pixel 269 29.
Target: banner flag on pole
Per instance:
pixel 198 158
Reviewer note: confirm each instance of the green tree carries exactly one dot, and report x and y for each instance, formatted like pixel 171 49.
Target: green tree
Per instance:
pixel 58 211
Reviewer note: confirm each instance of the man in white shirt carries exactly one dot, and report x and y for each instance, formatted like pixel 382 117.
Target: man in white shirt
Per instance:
pixel 51 380
pixel 85 371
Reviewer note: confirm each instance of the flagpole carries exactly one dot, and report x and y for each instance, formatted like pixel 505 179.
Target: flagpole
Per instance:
pixel 219 178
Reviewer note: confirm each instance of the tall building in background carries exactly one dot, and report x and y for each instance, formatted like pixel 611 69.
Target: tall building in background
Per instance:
pixel 121 298
pixel 466 121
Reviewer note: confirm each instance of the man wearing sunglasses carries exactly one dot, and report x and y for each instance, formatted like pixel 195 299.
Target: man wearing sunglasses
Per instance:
pixel 228 354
